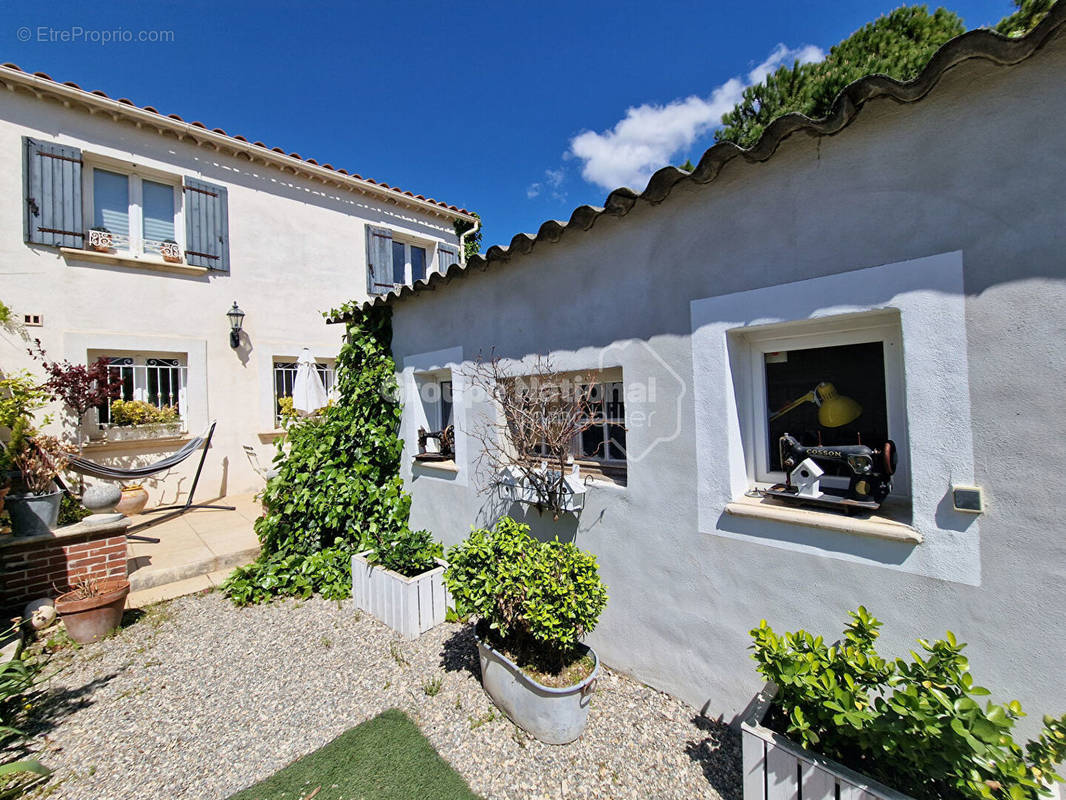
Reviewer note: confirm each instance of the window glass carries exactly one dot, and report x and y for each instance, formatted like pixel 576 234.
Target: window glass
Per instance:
pixel 445 404
pixel 418 263
pixel 826 395
pixel 285 379
pixel 156 381
pixel 399 263
pixel 111 202
pixel 158 201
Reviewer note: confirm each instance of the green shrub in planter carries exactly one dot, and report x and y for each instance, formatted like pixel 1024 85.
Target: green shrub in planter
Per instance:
pixel 138 412
pixel 539 598
pixel 913 725
pixel 404 551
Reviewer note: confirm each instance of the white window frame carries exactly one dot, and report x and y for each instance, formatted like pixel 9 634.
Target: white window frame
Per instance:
pixel 594 466
pixel 421 368
pixel 331 378
pixel 140 375
pixel 857 329
pixel 135 174
pixel 408 243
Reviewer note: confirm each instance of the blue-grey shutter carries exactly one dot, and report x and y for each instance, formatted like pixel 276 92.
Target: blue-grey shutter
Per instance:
pixel 446 256
pixel 378 260
pixel 52 193
pixel 206 225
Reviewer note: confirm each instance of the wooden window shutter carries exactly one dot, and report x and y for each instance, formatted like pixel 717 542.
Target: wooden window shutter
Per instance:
pixel 206 225
pixel 52 193
pixel 378 260
pixel 446 256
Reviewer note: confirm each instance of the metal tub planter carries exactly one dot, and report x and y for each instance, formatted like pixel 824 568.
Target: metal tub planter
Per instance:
pixel 554 716
pixel 33 514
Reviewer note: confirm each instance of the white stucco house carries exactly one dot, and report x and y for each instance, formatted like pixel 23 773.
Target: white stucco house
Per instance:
pixel 194 221
pixel 909 250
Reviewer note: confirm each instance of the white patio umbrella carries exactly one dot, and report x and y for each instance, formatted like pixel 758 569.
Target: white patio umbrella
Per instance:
pixel 308 393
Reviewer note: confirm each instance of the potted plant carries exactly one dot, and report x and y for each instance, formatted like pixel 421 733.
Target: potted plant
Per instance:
pixel 136 419
pixel 400 581
pixel 99 239
pixel 828 703
pixel 170 251
pixel 93 607
pixel 35 508
pixel 134 499
pixel 534 602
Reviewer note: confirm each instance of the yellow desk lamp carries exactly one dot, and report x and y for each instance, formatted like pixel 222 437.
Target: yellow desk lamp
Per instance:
pixel 834 410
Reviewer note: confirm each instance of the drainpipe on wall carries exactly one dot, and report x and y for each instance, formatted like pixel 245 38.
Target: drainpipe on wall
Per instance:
pixel 462 240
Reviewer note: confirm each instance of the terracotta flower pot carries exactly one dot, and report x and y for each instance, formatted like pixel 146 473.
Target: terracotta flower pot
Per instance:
pixel 133 501
pixel 89 619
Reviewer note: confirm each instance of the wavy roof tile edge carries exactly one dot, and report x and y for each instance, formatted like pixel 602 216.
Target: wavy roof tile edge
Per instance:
pixel 976 44
pixel 342 174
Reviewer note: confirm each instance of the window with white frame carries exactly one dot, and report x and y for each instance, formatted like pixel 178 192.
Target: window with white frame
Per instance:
pixel 436 438
pixel 138 213
pixel 408 262
pixel 285 379
pixel 600 450
pixel 826 383
pixel 159 380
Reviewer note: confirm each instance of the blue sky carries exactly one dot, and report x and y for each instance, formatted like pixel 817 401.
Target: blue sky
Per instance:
pixel 521 111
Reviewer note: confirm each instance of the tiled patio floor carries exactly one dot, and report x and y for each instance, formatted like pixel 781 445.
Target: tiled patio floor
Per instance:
pixel 195 551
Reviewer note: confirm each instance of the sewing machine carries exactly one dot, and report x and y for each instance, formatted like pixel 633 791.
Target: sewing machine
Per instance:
pixel 869 470
pixel 436 445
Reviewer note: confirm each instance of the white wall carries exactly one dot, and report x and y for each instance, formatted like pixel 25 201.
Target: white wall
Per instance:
pixel 293 244
pixel 961 195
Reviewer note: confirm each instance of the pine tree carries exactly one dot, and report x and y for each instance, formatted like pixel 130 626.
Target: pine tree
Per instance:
pixel 898 44
pixel 1027 17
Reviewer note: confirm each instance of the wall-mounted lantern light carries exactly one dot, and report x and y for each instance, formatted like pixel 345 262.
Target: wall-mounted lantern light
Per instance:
pixel 236 320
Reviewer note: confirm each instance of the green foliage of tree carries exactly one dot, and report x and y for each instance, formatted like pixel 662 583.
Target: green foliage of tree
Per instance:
pixel 1027 17
pixel 688 166
pixel 898 44
pixel 535 595
pixel 338 489
pixel 848 703
pixel 472 245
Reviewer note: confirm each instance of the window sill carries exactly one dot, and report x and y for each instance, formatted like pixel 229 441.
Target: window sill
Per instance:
pixel 141 262
pixel 149 443
pixel 880 527
pixel 440 466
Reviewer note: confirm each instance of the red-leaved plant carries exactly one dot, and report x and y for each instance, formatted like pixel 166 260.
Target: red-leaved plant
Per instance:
pixel 80 387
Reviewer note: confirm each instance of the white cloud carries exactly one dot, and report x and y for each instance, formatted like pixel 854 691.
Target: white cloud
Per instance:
pixel 648 137
pixel 553 179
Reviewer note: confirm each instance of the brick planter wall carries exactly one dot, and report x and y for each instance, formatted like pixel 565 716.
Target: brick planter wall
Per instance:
pixel 47 565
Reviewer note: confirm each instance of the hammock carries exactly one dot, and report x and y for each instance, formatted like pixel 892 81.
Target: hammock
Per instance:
pixel 104 472
pixel 94 470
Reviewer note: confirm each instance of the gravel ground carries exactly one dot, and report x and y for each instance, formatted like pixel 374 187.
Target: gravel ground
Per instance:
pixel 199 699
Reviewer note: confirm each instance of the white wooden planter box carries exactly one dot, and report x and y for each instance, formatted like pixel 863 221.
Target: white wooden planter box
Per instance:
pixel 410 606
pixel 776 768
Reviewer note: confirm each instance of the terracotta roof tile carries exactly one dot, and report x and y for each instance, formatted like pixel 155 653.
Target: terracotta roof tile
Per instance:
pixel 237 137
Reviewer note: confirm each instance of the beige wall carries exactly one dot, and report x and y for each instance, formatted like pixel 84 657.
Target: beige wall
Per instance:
pixel 297 248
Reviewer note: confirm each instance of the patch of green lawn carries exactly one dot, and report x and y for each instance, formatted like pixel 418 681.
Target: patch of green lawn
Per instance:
pixel 385 758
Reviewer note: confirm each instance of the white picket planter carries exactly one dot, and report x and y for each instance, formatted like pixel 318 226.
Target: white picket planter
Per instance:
pixel 776 768
pixel 410 606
